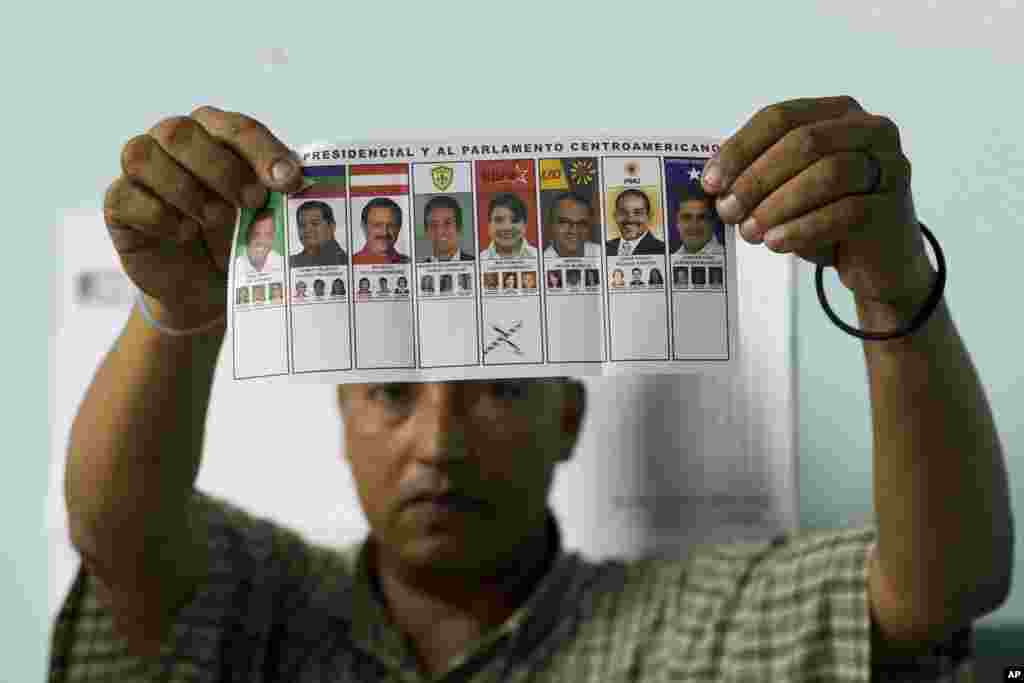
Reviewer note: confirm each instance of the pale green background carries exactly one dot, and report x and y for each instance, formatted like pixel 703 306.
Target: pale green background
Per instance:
pixel 81 80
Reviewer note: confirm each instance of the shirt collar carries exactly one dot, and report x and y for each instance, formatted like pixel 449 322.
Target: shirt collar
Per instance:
pixel 373 631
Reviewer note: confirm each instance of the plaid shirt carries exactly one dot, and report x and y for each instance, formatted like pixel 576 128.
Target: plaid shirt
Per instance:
pixel 275 608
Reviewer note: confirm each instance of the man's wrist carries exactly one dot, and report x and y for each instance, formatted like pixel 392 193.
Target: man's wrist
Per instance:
pixel 897 312
pixel 195 317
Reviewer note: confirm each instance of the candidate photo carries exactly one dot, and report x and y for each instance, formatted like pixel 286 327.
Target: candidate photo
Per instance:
pixel 317 230
pixel 696 223
pixel 258 254
pixel 443 227
pixel 569 227
pixel 381 221
pixel 507 220
pixel 633 216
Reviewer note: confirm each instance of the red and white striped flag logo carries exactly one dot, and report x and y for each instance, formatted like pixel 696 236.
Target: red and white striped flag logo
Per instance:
pixel 379 180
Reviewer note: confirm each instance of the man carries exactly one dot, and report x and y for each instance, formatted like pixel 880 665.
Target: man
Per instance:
pixel 317 228
pixel 464 281
pixel 511 281
pixel 338 287
pixel 382 286
pixel 442 221
pixel 506 223
pixel 593 277
pixel 638 278
pixel 242 295
pixel 382 222
pixel 427 283
pixel 680 276
pixel 445 282
pixel 572 277
pixel 364 285
pixel 319 286
pixel 695 222
pixel 570 222
pixel 530 279
pixel 259 256
pixel 402 286
pixel 618 278
pixel 633 216
pixel 463 575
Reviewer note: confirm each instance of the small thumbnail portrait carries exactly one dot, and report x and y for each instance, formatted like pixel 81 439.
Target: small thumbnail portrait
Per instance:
pixel 319 288
pixel 530 279
pixel 259 294
pixel 715 276
pixel 445 283
pixel 510 280
pixel 636 278
pixel 655 277
pixel 681 276
pixel 572 277
pixel 364 285
pixel 300 289
pixel 427 284
pixel 491 280
pixel 338 287
pixel 382 286
pixel 593 277
pixel 276 292
pixel 699 275
pixel 402 285
pixel 618 278
pixel 242 295
pixel 554 279
pixel 465 281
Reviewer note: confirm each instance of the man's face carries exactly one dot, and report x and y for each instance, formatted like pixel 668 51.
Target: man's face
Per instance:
pixel 442 229
pixel 318 288
pixel 637 273
pixel 617 277
pixel 572 226
pixel 382 229
pixel 261 238
pixel 313 229
pixel 493 442
pixel 631 215
pixel 695 224
pixel 506 231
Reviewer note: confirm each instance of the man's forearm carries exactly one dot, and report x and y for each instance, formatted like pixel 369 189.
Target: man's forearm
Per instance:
pixel 945 529
pixel 134 447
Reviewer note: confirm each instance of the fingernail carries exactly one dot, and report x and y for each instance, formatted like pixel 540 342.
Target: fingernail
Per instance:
pixel 749 229
pixel 775 238
pixel 253 196
pixel 283 169
pixel 712 176
pixel 729 209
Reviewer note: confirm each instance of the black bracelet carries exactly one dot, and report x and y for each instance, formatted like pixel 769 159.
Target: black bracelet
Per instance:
pixel 930 304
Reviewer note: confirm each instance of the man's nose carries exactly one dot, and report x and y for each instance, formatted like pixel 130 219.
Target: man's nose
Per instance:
pixel 440 434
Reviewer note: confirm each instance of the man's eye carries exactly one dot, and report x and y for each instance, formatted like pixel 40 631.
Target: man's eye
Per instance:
pixel 390 393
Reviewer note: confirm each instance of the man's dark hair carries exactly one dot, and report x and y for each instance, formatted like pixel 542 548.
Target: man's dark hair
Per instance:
pixel 568 196
pixel 511 202
pixel 382 203
pixel 257 217
pixel 443 202
pixel 326 213
pixel 636 193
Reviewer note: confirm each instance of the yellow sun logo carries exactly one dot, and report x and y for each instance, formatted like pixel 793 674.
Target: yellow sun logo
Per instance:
pixel 582 171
